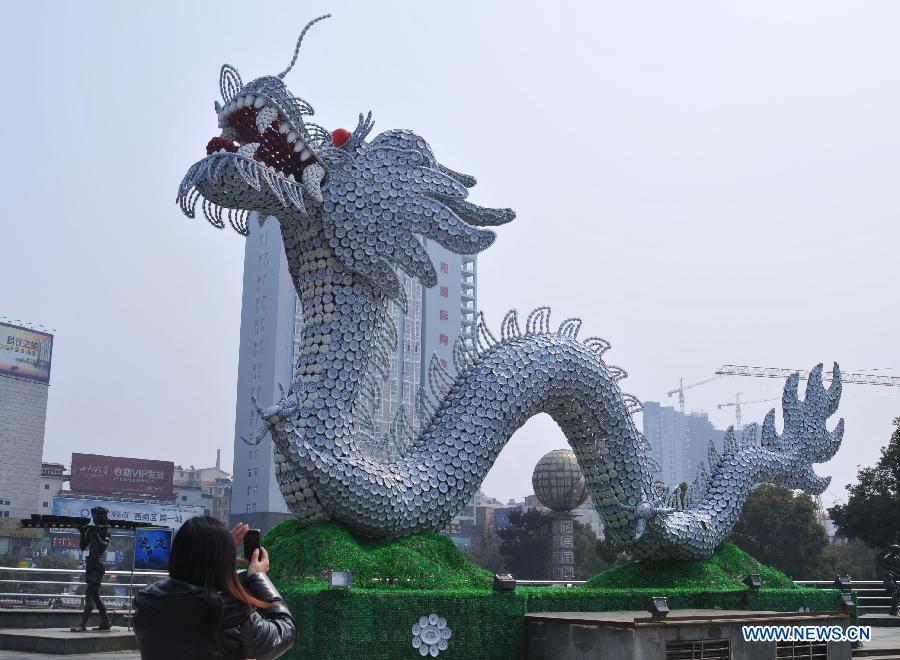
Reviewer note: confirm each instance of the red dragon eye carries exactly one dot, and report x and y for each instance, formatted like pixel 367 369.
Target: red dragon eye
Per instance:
pixel 340 136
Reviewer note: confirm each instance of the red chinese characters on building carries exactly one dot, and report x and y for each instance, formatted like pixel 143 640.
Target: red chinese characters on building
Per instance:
pixel 444 315
pixel 445 292
pixel 444 267
pixel 443 363
pixel 444 339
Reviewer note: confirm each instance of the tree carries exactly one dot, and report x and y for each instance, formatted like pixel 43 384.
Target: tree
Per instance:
pixel 486 554
pixel 53 560
pixel 853 558
pixel 527 552
pixel 587 562
pixel 611 553
pixel 526 544
pixel 781 529
pixel 872 512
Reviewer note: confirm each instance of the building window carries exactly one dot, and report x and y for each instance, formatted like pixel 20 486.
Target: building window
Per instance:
pixel 251 455
pixel 444 315
pixel 256 472
pixel 254 507
pixel 248 508
pixel 46 486
pixel 248 490
pixel 44 504
pixel 249 472
pixel 445 292
pixel 254 490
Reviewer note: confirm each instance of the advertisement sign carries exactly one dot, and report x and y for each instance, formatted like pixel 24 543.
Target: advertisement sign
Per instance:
pixel 151 549
pixel 500 517
pixel 25 353
pixel 93 473
pixel 169 515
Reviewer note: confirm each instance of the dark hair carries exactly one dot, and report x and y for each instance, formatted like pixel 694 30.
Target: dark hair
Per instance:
pixel 203 554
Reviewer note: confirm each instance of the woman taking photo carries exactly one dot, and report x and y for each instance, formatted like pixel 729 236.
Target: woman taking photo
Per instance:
pixel 205 609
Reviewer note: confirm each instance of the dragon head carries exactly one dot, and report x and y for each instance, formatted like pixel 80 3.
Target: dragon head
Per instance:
pixel 371 201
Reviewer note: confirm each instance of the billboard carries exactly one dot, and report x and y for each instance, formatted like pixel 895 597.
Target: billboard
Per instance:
pixel 163 515
pixel 500 517
pixel 25 353
pixel 92 473
pixel 152 547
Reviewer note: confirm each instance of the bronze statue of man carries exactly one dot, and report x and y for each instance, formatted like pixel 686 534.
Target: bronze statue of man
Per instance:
pixel 94 539
pixel 891 565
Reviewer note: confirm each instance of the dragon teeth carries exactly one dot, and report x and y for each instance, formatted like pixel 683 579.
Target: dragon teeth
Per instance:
pixel 265 117
pixel 312 180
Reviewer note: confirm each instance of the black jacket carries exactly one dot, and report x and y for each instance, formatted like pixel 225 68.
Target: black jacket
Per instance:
pixel 169 619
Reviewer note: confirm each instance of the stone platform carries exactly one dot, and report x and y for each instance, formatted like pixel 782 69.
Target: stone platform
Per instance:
pixel 63 642
pixel 687 633
pixel 46 631
pixel 54 618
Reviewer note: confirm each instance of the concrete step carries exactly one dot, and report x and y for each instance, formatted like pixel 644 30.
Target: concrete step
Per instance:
pixel 879 620
pixel 63 642
pixel 54 618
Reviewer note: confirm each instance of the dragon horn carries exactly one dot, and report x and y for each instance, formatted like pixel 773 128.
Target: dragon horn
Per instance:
pixel 299 41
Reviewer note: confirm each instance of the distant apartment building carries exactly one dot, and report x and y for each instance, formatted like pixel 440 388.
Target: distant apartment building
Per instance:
pixel 209 488
pixel 53 476
pixel 271 327
pixel 680 442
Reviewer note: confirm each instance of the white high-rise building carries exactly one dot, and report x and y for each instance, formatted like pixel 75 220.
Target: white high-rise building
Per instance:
pixel 270 335
pixel 271 325
pixel 25 355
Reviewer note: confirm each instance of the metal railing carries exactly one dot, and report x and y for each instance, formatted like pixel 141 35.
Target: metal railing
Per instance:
pixel 872 597
pixel 25 596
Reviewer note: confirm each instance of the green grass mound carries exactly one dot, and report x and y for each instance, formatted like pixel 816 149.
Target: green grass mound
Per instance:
pixel 724 571
pixel 303 555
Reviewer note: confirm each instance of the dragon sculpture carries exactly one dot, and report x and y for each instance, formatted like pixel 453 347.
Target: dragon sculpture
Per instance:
pixel 351 211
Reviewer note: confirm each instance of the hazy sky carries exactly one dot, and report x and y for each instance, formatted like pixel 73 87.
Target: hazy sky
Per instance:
pixel 703 183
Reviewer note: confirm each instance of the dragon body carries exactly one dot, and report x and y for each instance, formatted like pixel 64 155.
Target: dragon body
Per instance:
pixel 351 211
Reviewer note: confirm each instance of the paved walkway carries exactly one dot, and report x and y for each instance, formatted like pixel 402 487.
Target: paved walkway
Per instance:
pixel 18 655
pixel 884 637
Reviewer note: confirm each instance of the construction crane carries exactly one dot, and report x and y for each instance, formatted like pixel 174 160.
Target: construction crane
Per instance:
pixel 847 377
pixel 737 403
pixel 682 387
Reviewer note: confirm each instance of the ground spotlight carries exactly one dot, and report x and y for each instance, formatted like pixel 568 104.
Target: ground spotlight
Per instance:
pixel 658 607
pixel 340 579
pixel 845 600
pixel 504 582
pixel 753 581
pixel 843 582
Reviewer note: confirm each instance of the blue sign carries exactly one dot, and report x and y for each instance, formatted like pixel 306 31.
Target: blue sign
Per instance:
pixel 151 548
